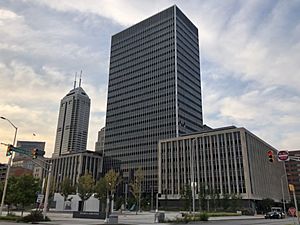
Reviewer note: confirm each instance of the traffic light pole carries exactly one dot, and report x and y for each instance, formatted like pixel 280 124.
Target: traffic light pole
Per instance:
pixel 47 191
pixel 8 166
pixel 35 162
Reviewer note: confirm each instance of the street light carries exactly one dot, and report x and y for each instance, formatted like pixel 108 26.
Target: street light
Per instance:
pixel 193 183
pixel 8 165
pixel 284 175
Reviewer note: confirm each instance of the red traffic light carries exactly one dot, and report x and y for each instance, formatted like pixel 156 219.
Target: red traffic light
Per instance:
pixel 34 153
pixel 270 156
pixel 9 150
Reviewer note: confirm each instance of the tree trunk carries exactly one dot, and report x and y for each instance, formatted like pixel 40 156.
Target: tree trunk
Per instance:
pixel 22 210
pixel 136 205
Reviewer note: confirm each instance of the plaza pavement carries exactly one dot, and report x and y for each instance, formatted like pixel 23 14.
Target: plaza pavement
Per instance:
pixel 128 218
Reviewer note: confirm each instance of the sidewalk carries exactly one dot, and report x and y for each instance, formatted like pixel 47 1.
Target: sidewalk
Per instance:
pixel 131 218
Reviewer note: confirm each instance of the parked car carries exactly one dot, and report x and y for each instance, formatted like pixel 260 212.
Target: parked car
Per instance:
pixel 276 213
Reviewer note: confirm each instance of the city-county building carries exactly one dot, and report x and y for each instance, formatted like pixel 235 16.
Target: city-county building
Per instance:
pixel 227 161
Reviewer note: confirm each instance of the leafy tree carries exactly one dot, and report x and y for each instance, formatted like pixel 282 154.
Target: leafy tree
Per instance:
pixel 186 195
pixel 67 188
pixel 203 193
pixel 27 187
pixel 52 189
pixel 226 201
pixel 101 192
pixel 136 187
pixel 21 190
pixel 11 192
pixel 1 187
pixel 112 179
pixel 265 204
pixel 85 187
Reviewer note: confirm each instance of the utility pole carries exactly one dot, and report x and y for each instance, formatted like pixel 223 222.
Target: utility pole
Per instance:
pixel 47 191
pixel 8 165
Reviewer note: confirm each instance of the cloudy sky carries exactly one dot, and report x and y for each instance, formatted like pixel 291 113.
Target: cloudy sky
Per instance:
pixel 250 62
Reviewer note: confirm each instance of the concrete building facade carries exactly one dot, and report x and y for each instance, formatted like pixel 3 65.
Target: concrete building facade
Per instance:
pixel 293 171
pixel 73 123
pixel 72 166
pixel 99 145
pixel 227 161
pixel 154 91
pixel 25 161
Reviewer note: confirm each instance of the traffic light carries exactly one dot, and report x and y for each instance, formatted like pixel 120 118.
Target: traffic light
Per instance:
pixel 9 150
pixel 270 156
pixel 34 153
pixel 37 152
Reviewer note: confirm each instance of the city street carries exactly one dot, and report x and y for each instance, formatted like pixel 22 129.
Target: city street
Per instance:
pixel 148 218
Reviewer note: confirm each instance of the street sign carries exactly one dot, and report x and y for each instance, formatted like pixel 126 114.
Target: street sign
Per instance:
pixel 39 198
pixel 292 187
pixel 283 156
pixel 292 211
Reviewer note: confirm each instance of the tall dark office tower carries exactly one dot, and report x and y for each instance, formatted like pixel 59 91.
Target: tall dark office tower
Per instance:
pixel 154 91
pixel 73 122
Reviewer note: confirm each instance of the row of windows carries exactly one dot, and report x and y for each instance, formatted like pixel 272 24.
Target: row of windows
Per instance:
pixel 143 46
pixel 157 85
pixel 118 43
pixel 145 102
pixel 153 51
pixel 161 134
pixel 141 50
pixel 128 69
pixel 164 68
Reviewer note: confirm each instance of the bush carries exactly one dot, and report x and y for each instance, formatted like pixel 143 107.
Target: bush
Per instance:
pixel 34 216
pixel 10 217
pixel 203 217
pixel 216 214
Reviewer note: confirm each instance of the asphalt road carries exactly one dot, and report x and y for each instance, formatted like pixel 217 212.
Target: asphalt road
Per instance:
pixel 147 218
pixel 287 221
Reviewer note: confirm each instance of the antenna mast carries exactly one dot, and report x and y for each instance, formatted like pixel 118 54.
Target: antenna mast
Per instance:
pixel 80 78
pixel 75 80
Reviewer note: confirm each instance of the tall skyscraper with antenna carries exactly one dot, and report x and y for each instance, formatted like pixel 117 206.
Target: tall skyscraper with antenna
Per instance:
pixel 73 122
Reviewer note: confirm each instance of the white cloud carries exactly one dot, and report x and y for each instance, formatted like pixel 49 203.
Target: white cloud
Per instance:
pixel 253 44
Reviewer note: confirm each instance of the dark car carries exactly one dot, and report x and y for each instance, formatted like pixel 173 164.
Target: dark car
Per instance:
pixel 274 215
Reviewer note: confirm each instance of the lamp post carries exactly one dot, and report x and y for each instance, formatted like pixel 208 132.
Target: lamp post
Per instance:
pixel 193 183
pixel 282 191
pixel 47 191
pixel 8 165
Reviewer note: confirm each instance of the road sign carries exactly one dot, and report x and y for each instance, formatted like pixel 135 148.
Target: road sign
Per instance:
pixel 39 198
pixel 292 211
pixel 292 187
pixel 283 156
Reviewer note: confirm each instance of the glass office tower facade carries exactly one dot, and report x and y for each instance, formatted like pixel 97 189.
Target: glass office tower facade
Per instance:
pixel 154 92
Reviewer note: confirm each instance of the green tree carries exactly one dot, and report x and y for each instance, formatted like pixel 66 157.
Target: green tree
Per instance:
pixel 67 188
pixel 136 187
pixel 21 190
pixel 186 195
pixel 27 187
pixel 226 201
pixel 12 193
pixel 112 179
pixel 1 187
pixel 85 187
pixel 203 193
pixel 265 205
pixel 101 192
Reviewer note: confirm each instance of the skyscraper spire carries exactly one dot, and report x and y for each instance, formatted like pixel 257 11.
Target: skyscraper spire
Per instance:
pixel 75 80
pixel 80 78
